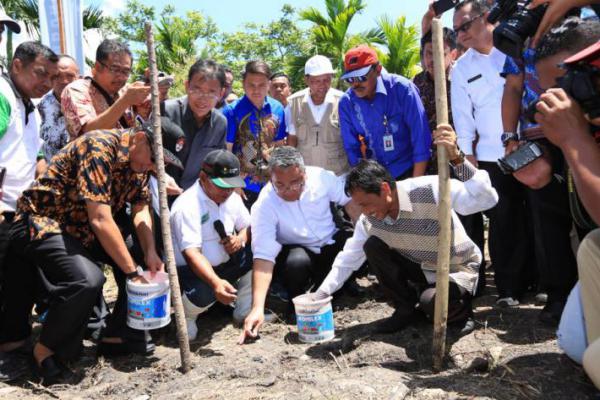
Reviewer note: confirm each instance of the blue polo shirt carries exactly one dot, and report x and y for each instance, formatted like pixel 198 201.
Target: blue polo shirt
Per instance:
pixel 393 124
pixel 244 122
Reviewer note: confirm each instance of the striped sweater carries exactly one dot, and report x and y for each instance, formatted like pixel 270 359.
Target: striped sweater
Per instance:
pixel 414 233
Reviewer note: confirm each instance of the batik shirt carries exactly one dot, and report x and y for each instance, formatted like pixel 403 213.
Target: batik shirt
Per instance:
pixel 53 130
pixel 95 167
pixel 82 102
pixel 426 86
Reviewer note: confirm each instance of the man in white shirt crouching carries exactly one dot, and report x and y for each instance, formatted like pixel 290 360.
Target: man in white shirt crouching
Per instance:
pixel 295 237
pixel 210 231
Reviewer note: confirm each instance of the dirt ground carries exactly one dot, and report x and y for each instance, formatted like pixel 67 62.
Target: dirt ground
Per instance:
pixel 510 355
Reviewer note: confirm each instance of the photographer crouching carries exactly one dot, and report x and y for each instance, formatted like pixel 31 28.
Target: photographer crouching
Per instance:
pixel 569 114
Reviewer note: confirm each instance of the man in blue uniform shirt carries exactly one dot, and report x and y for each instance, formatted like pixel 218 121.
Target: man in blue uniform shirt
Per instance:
pixel 382 117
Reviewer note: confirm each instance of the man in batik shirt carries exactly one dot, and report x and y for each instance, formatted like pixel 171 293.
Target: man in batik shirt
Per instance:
pixel 64 231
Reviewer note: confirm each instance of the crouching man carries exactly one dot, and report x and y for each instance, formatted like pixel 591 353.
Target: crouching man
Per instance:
pixel 64 230
pixel 210 231
pixel 398 231
pixel 295 239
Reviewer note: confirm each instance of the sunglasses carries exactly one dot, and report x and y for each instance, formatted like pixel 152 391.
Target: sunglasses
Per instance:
pixel 360 78
pixel 467 25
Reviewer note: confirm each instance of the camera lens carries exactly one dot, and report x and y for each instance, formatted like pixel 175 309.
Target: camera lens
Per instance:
pixel 510 35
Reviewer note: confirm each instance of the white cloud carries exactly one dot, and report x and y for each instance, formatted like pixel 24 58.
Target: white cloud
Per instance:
pixel 112 7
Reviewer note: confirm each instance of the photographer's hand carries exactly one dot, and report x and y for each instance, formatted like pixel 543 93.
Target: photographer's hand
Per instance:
pixel 560 117
pixel 554 13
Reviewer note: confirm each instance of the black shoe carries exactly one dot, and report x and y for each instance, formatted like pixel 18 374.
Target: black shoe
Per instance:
pixel 13 365
pixel 51 371
pixel 551 313
pixel 127 347
pixel 395 323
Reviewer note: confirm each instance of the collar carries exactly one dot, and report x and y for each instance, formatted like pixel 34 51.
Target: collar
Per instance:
pixel 202 196
pixel 266 105
pixel 29 107
pixel 380 88
pixel 403 199
pixel 329 98
pixel 188 114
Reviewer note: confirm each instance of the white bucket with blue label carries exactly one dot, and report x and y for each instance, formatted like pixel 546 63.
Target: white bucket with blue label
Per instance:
pixel 314 319
pixel 149 304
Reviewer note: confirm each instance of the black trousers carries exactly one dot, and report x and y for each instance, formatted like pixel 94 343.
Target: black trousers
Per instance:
pixel 403 282
pixel 4 241
pixel 72 278
pixel 508 241
pixel 298 268
pixel 552 223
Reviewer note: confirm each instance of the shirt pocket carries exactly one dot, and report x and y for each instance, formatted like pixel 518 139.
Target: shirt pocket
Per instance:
pixel 480 90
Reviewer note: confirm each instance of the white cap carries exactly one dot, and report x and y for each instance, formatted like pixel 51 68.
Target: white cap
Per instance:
pixel 9 22
pixel 318 65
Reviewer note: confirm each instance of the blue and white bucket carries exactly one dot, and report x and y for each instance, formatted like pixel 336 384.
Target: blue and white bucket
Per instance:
pixel 149 304
pixel 314 319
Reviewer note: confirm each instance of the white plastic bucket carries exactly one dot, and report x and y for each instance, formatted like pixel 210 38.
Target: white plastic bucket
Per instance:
pixel 314 319
pixel 149 304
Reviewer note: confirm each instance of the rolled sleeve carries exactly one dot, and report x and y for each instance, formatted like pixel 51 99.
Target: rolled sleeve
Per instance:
pixel 416 119
pixel 347 261
pixel 263 222
pixel 77 108
pixel 335 187
pixel 349 136
pixel 242 220
pixel 462 113
pixel 475 194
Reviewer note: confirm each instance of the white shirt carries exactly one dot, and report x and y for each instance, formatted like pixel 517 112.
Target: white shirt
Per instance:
pixel 476 97
pixel 192 218
pixel 306 222
pixel 19 147
pixel 318 111
pixel 471 196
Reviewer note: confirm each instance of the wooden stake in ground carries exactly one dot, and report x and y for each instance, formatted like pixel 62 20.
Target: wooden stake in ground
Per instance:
pixel 182 336
pixel 440 318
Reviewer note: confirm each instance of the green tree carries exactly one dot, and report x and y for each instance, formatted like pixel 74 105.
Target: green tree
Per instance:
pixel 330 31
pixel 276 43
pixel 402 42
pixel 25 11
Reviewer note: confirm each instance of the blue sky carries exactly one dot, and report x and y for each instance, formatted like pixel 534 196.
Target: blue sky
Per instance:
pixel 230 15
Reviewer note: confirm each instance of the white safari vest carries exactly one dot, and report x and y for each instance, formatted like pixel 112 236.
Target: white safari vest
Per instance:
pixel 320 144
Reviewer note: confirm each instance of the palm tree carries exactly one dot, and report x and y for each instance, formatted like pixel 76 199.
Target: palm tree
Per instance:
pixel 402 43
pixel 25 11
pixel 330 32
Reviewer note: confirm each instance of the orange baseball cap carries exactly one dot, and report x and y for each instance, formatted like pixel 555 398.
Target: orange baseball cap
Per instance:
pixel 358 61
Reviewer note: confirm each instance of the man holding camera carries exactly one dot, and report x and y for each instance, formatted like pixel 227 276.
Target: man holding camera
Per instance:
pixel 210 233
pixel 565 113
pixel 477 89
pixel 104 100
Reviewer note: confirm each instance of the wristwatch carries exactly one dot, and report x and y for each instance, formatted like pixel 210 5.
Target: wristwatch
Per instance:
pixel 138 272
pixel 508 136
pixel 459 159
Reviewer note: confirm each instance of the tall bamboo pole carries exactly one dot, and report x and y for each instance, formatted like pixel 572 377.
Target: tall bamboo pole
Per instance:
pixel 182 336
pixel 61 27
pixel 444 208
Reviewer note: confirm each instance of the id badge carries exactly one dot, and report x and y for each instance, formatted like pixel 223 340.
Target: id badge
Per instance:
pixel 388 143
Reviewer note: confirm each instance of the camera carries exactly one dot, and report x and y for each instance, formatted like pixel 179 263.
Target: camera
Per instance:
pixel 579 82
pixel 519 158
pixel 517 23
pixel 441 6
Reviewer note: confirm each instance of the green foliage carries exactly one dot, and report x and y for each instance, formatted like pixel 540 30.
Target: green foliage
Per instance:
pixel 277 43
pixel 402 42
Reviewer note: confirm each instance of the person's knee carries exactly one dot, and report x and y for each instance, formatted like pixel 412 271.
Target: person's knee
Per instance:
pixel 374 246
pixel 93 281
pixel 588 253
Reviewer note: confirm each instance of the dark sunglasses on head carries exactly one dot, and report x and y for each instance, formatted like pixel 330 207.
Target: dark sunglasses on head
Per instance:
pixel 467 25
pixel 360 78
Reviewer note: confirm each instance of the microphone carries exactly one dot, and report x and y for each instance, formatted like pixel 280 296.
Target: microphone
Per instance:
pixel 218 225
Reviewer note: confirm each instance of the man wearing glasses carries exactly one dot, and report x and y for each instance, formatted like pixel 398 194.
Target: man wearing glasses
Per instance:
pixel 103 101
pixel 477 89
pixel 382 117
pixel 204 128
pixel 294 237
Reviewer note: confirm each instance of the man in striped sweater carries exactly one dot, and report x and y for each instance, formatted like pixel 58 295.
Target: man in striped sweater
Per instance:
pixel 397 234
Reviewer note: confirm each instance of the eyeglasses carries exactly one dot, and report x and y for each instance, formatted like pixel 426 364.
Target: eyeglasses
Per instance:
pixel 197 93
pixel 116 70
pixel 360 78
pixel 289 188
pixel 467 25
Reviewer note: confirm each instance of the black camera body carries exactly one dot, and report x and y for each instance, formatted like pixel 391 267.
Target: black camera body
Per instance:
pixel 517 24
pixel 519 158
